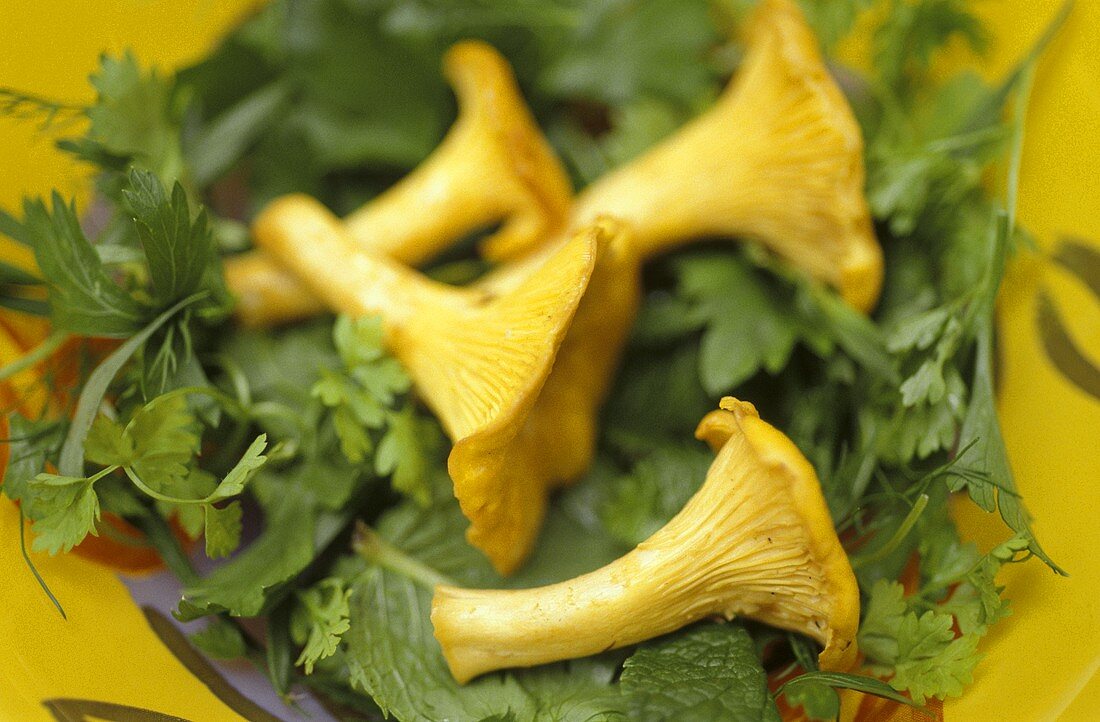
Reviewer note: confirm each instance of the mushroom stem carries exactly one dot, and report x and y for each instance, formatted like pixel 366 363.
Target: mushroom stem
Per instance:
pixel 756 540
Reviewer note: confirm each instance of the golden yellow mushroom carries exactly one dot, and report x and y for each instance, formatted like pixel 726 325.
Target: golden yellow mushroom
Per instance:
pixel 493 166
pixel 755 541
pixel 778 158
pixel 268 294
pixel 478 359
pixel 504 491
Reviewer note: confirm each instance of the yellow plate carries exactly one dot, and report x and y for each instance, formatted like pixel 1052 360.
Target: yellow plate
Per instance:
pixel 1041 664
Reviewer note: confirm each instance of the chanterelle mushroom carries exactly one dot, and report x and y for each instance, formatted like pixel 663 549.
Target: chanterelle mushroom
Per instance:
pixel 478 359
pixel 755 541
pixel 504 490
pixel 493 166
pixel 778 158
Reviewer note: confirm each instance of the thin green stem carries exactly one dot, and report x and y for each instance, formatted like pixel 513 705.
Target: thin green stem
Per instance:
pixel 33 568
pixel 168 548
pixel 907 525
pixel 378 551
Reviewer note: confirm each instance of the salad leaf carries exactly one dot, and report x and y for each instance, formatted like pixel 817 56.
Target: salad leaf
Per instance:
pixel 83 298
pixel 708 672
pixel 321 619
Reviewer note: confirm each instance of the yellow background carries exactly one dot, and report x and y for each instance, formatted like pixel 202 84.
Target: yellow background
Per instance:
pixel 1041 664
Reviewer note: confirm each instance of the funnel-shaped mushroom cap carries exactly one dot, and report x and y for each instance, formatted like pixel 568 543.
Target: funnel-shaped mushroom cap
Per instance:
pixel 504 489
pixel 478 359
pixel 756 540
pixel 779 159
pixel 493 166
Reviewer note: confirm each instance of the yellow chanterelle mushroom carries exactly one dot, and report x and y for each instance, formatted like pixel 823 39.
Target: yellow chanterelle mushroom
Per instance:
pixel 504 491
pixel 479 360
pixel 755 541
pixel 493 166
pixel 778 158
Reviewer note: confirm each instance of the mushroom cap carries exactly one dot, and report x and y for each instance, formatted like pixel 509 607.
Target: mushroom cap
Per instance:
pixel 789 47
pixel 504 488
pixel 767 456
pixel 777 159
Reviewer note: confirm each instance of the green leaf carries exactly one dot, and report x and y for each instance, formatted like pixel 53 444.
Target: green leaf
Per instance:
pixel 165 439
pixel 298 525
pixel 832 20
pixel 233 483
pixel 83 298
pixel 95 388
pixel 220 639
pixel 68 510
pixel 818 701
pixel 904 45
pixel 601 61
pixel 883 616
pixel 981 437
pixel 747 329
pixel 225 140
pixel 401 456
pixel 655 490
pixel 108 444
pixel 934 664
pixel 709 672
pixel 133 118
pixel 920 648
pixel 223 529
pixel 802 685
pixel 31 443
pixel 320 619
pixel 179 250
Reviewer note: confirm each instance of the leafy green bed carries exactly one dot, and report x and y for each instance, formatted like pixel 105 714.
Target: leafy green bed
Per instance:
pixel 314 430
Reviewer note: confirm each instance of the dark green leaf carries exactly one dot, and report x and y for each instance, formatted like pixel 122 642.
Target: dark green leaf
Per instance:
pixel 709 672
pixel 83 298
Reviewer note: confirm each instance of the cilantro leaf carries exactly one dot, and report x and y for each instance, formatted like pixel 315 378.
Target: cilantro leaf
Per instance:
pixel 933 663
pixel 83 298
pixel 920 648
pixel 132 120
pixel 401 455
pixel 708 672
pixel 108 443
pixel 299 525
pixel 179 251
pixel 746 329
pixel 319 620
pixel 164 439
pixel 223 529
pixel 655 490
pixel 233 482
pixel 67 510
